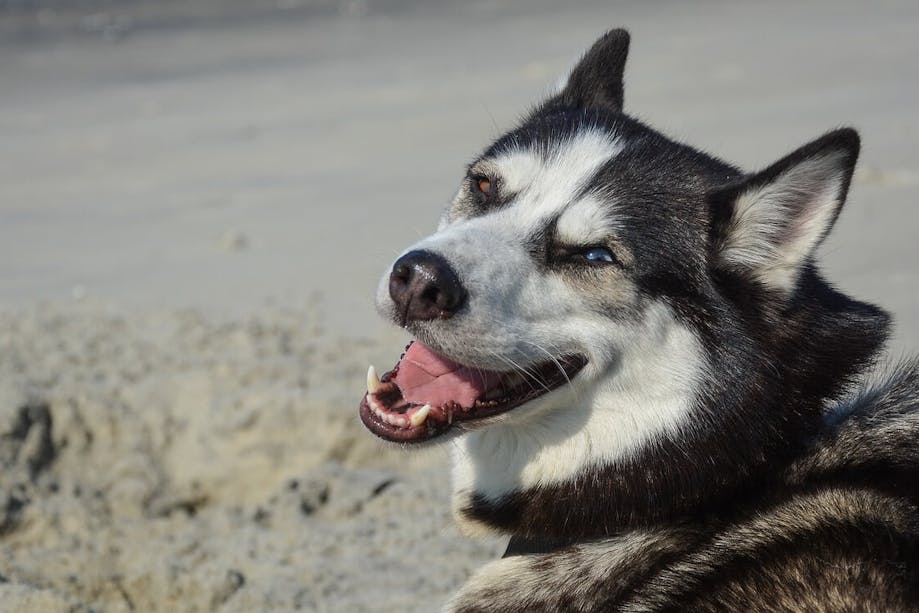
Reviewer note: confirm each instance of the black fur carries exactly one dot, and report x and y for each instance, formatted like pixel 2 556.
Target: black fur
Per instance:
pixel 596 82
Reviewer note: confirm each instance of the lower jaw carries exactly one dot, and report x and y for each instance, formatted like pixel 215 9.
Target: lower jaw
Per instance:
pixel 458 419
pixel 397 434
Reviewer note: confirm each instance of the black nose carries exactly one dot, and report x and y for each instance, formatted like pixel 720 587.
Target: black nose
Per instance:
pixel 424 287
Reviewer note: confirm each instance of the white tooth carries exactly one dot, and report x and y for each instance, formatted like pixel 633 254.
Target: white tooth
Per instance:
pixel 421 415
pixel 373 381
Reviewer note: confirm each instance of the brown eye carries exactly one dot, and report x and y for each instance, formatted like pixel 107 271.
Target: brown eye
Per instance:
pixel 483 184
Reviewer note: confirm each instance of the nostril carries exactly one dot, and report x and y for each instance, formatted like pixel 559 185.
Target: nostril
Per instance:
pixel 447 302
pixel 432 295
pixel 423 286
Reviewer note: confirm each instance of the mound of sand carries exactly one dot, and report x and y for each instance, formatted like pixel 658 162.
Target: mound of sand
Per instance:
pixel 171 461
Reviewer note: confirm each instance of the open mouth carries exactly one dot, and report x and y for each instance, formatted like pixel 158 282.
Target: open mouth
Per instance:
pixel 427 394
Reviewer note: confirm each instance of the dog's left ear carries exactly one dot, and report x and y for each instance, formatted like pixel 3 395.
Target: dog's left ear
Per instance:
pixel 596 80
pixel 769 224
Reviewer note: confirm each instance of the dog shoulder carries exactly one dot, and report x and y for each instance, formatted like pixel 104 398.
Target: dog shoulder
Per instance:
pixel 837 548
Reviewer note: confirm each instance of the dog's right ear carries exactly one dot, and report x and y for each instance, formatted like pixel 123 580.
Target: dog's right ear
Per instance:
pixel 596 80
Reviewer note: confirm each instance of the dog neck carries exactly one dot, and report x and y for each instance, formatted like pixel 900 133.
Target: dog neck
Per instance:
pixel 531 473
pixel 550 481
pixel 664 444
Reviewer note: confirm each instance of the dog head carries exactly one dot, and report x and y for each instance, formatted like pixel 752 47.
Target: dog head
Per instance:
pixel 596 292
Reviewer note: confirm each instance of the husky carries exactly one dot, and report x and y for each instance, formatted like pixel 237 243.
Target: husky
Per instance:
pixel 647 383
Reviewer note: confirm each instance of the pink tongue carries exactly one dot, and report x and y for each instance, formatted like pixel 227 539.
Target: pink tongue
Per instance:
pixel 428 378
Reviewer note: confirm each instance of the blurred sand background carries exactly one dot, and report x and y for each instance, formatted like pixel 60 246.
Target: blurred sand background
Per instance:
pixel 196 202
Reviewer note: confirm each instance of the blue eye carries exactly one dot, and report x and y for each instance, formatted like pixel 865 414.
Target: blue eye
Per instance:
pixel 598 254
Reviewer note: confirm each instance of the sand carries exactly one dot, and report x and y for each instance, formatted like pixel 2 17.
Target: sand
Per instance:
pixel 162 462
pixel 198 198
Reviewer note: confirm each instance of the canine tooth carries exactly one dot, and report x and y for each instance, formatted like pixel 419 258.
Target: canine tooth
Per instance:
pixel 373 381
pixel 421 415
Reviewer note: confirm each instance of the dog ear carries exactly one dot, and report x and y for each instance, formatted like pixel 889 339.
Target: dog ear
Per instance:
pixel 595 82
pixel 770 223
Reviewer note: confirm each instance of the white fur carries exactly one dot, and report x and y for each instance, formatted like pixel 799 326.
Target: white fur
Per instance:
pixel 585 222
pixel 777 226
pixel 545 184
pixel 548 181
pixel 644 389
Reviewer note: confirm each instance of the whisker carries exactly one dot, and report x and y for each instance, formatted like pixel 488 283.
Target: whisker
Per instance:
pixel 551 357
pixel 514 366
pixel 525 372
